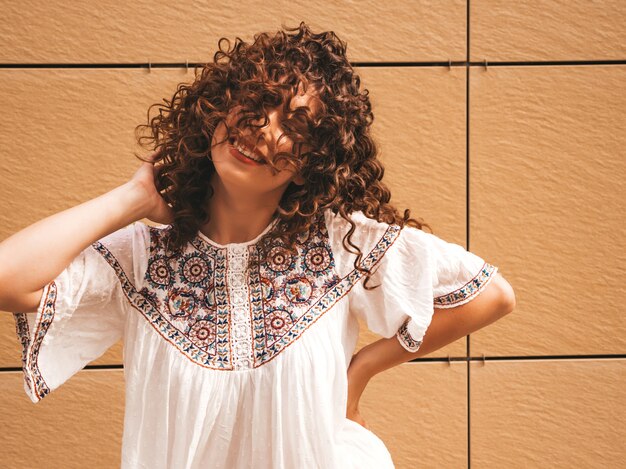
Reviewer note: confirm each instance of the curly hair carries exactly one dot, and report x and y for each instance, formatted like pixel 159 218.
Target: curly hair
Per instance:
pixel 341 170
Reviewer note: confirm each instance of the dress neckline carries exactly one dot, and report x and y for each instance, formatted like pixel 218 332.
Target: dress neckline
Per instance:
pixel 255 240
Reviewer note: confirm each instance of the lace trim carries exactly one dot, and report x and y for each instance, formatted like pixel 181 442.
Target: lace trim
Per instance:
pixel 241 329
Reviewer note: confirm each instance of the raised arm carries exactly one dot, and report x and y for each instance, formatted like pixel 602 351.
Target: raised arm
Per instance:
pixel 36 255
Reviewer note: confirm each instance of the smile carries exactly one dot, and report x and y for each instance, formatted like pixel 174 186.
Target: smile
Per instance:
pixel 244 155
pixel 243 150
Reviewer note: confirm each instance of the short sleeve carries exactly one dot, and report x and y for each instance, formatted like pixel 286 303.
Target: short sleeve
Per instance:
pixel 415 271
pixel 82 311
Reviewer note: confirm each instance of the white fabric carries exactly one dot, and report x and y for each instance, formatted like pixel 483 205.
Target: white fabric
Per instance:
pixel 418 272
pixel 233 368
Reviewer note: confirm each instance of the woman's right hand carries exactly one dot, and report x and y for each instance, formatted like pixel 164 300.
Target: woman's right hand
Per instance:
pixel 144 179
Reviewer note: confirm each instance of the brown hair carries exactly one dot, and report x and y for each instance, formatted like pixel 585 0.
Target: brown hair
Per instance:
pixel 341 171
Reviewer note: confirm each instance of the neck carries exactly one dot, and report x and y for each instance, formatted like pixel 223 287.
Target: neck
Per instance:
pixel 238 217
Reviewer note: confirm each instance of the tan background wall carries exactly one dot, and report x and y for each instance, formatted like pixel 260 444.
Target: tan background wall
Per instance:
pixel 497 124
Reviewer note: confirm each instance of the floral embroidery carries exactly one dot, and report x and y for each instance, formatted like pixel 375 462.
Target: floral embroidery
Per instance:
pixel 202 333
pixel 297 289
pixel 278 322
pixel 159 274
pixel 469 290
pixel 225 317
pixel 406 339
pixel 267 289
pixel 317 258
pixel 182 303
pixel 31 343
pixel 280 260
pixel 195 269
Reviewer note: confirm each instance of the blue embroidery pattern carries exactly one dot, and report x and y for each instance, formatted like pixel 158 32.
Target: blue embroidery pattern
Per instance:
pixel 469 290
pixel 406 339
pixel 186 297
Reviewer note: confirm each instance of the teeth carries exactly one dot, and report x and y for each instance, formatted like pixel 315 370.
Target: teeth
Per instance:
pixel 245 152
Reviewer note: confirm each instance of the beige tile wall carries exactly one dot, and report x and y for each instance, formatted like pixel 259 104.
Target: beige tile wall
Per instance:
pixel 539 30
pixel 546 204
pixel 554 215
pixel 548 413
pixel 163 31
pixel 78 427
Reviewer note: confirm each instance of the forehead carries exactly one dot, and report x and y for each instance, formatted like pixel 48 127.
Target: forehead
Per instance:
pixel 309 98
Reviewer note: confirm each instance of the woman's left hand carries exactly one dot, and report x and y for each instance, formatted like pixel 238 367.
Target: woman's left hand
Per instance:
pixel 357 380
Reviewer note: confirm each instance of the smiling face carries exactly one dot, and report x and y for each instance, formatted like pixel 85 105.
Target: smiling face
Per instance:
pixel 246 176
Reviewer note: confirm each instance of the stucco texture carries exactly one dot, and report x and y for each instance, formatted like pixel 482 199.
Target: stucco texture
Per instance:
pixel 497 125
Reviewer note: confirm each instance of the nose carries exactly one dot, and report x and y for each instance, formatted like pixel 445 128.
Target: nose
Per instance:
pixel 273 129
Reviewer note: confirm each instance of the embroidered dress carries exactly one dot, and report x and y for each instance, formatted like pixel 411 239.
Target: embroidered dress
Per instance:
pixel 233 368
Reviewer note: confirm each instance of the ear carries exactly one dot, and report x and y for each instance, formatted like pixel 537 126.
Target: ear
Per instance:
pixel 298 180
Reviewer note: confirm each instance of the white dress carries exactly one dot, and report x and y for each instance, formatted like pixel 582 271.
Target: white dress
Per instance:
pixel 229 368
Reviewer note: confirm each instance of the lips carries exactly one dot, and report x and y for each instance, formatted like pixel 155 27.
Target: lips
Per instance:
pixel 248 146
pixel 244 159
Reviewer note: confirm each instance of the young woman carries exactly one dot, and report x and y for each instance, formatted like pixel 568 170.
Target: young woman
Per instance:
pixel 238 308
